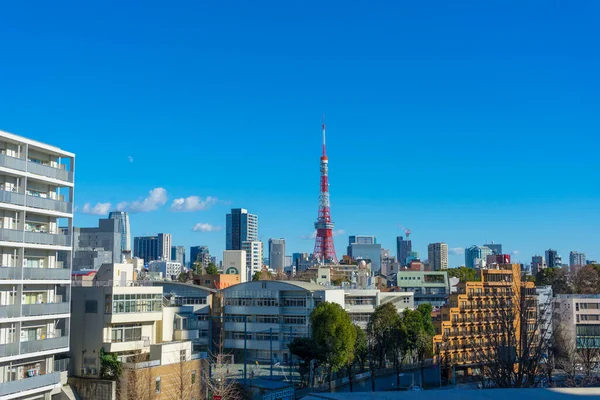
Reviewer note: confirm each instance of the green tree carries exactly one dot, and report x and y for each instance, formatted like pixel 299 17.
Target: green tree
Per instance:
pixel 425 310
pixel 197 267
pixel 399 346
pixel 361 350
pixel 464 274
pixel 262 276
pixel 380 327
pixel 555 277
pixel 110 366
pixel 334 336
pixel 305 351
pixel 212 269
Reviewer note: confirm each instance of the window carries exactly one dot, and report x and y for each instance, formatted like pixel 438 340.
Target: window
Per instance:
pixel 267 319
pixel 182 355
pixel 157 385
pixel 193 377
pixel 91 307
pixel 294 319
pixel 207 281
pixel 294 302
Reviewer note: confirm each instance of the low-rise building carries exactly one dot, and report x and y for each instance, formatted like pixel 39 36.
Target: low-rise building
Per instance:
pixel 168 269
pixel 430 287
pixel 361 303
pixel 577 318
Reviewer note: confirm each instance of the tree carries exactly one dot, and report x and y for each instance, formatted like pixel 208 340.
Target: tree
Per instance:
pixel 197 267
pixel 399 346
pixel 576 354
pixel 586 280
pixel 306 352
pixel 334 336
pixel 555 277
pixel 464 274
pixel 380 327
pixel 361 350
pixel 262 276
pixel 110 366
pixel 425 309
pixel 212 269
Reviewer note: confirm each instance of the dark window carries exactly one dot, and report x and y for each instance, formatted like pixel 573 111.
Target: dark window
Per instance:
pixel 91 307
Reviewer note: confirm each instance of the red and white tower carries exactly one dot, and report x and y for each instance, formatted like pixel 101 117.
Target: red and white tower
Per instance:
pixel 324 250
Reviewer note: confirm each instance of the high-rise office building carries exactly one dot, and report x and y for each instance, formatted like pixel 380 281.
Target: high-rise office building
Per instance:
pixel 240 227
pixel 152 248
pixel 476 256
pixel 200 254
pixel 254 256
pixel 538 263
pixel 496 248
pixel 123 219
pixel 277 254
pixel 403 249
pixel 36 191
pixel 178 254
pixel 576 259
pixel 553 259
pixel 438 256
pixel 365 248
pixel 361 239
pixel 93 247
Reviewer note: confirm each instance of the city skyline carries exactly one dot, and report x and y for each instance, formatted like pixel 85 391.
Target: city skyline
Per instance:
pixel 449 87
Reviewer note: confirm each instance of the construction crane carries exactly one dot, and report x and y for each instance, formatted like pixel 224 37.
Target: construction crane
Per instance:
pixel 406 231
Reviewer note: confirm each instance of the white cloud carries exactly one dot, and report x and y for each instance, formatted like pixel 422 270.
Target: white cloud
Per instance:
pixel 456 251
pixel 130 158
pixel 157 197
pixel 516 252
pixel 205 227
pixel 193 203
pixel 339 232
pixel 98 209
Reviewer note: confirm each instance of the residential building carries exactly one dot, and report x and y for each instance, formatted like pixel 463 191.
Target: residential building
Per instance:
pixel 577 259
pixel 577 319
pixel 369 252
pixel 545 310
pixel 538 263
pixel 277 254
pixel 438 256
pixel 553 259
pixel 476 256
pixel 430 287
pixel 473 316
pixel 89 243
pixel 263 310
pixel 200 254
pixel 403 249
pixel 361 303
pixel 234 263
pixel 124 229
pixel 152 248
pixel 496 248
pixel 361 239
pixel 167 269
pixel 240 227
pixel 254 257
pixel 36 192
pixel 178 254
pixel 288 261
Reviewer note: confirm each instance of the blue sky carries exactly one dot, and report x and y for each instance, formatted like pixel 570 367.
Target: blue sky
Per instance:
pixel 465 122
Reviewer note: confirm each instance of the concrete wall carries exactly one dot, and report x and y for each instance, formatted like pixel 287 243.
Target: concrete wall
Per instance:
pixel 94 389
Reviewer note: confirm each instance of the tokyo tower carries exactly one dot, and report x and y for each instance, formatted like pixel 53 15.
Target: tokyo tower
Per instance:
pixel 324 250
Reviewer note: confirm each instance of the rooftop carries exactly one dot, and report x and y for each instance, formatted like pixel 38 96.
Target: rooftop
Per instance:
pixel 42 146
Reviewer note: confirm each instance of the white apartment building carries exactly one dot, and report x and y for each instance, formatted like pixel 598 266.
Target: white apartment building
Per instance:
pixel 254 257
pixel 264 308
pixel 121 316
pixel 361 303
pixel 578 318
pixel 168 269
pixel 234 262
pixel 36 198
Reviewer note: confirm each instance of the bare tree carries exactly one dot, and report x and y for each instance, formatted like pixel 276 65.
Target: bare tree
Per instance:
pixel 577 357
pixel 221 383
pixel 136 380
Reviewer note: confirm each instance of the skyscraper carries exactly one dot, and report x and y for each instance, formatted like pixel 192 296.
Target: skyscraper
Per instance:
pixel 537 264
pixel 476 256
pixel 361 239
pixel 240 227
pixel 553 259
pixel 152 248
pixel 277 254
pixel 123 219
pixel 254 256
pixel 178 254
pixel 496 248
pixel 200 254
pixel 438 256
pixel 36 195
pixel 403 249
pixel 576 259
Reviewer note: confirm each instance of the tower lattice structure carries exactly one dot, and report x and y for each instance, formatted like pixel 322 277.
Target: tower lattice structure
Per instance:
pixel 324 251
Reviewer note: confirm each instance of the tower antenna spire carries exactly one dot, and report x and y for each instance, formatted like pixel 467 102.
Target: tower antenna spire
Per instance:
pixel 323 130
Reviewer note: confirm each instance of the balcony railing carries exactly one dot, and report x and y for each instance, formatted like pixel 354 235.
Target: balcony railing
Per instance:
pixel 10 273
pixel 12 162
pixel 62 364
pixel 11 311
pixel 12 197
pixel 33 346
pixel 9 349
pixel 47 238
pixel 48 204
pixel 51 172
pixel 11 235
pixel 30 310
pixel 34 382
pixel 46 273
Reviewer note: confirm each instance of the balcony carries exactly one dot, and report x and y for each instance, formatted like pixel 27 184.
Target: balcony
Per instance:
pixel 47 204
pixel 47 238
pixel 12 197
pixel 186 334
pixel 32 383
pixel 9 349
pixel 115 346
pixel 46 273
pixel 50 172
pixel 30 310
pixel 33 346
pixel 11 311
pixel 12 162
pixel 254 344
pixel 10 273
